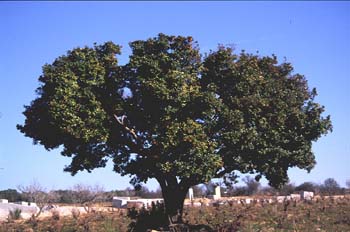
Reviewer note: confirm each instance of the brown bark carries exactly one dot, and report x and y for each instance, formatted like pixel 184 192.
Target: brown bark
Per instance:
pixel 174 196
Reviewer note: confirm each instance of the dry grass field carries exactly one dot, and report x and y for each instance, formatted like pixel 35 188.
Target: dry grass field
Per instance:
pixel 320 215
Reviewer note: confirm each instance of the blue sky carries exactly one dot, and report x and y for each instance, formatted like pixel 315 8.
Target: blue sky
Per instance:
pixel 313 36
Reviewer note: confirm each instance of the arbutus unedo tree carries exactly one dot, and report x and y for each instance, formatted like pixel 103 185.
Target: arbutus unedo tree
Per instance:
pixel 172 115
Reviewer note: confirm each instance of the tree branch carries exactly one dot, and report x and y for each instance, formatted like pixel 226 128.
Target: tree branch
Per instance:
pixel 126 128
pixel 220 173
pixel 136 146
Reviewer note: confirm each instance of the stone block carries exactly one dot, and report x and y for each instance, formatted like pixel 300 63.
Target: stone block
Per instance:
pixel 280 199
pixel 120 202
pixel 135 204
pixel 33 204
pixel 218 192
pixel 305 195
pixel 190 194
pixel 295 196
pixel 22 203
pixel 248 200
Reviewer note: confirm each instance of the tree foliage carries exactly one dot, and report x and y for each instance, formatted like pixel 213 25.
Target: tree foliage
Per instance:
pixel 252 185
pixel 331 187
pixel 308 186
pixel 174 115
pixel 11 195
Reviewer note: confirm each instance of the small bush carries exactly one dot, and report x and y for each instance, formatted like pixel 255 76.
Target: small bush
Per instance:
pixel 55 215
pixel 75 214
pixel 33 221
pixel 143 218
pixel 15 214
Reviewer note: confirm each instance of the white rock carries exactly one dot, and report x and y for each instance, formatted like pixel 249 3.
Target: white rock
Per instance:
pixel 306 195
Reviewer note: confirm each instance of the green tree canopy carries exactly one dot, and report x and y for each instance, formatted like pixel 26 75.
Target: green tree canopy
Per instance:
pixel 308 186
pixel 174 115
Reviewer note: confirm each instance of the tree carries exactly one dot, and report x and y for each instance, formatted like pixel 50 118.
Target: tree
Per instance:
pixel 38 194
pixel 307 186
pixel 11 195
pixel 144 192
pixel 286 189
pixel 172 115
pixel 210 188
pixel 86 195
pixel 348 183
pixel 330 186
pixel 252 186
pixel 65 196
pixel 198 191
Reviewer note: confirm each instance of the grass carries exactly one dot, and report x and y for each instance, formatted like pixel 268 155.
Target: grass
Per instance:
pixel 14 214
pixel 322 215
pixel 98 221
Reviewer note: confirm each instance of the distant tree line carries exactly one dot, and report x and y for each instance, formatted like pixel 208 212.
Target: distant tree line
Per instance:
pixel 329 187
pixel 252 187
pixel 78 194
pixel 11 194
pixel 82 194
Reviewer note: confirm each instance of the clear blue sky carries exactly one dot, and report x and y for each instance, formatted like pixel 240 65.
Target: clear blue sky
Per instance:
pixel 313 36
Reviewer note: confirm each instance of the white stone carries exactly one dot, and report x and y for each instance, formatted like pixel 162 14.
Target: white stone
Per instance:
pixel 148 202
pixel 145 202
pixel 280 199
pixel 22 203
pixel 194 204
pixel 295 196
pixel 32 204
pixel 190 194
pixel 197 204
pixel 248 200
pixel 49 207
pixel 26 210
pixel 135 204
pixel 306 195
pixel 120 202
pixel 217 192
pixel 204 201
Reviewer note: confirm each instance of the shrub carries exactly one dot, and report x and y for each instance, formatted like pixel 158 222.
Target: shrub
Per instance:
pixel 143 218
pixel 15 214
pixel 33 221
pixel 75 213
pixel 55 215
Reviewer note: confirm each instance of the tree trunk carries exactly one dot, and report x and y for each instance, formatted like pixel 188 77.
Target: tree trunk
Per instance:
pixel 174 196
